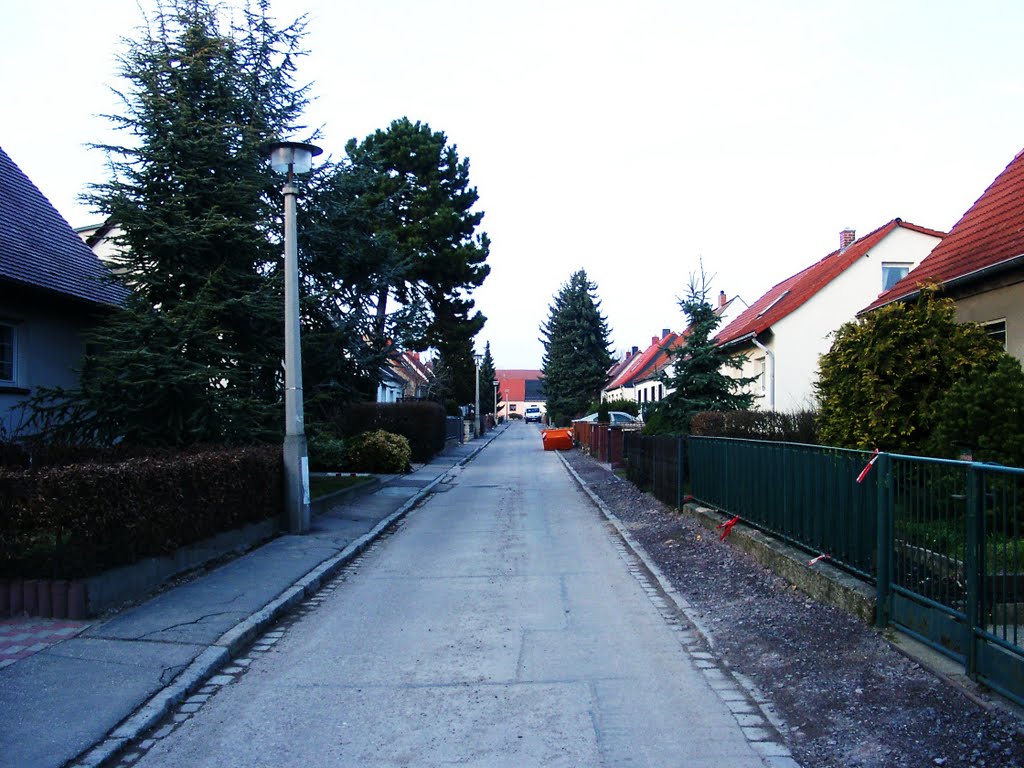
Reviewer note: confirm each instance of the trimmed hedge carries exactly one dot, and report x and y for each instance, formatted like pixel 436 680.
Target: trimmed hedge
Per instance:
pixel 378 452
pixel 796 427
pixel 421 423
pixel 77 520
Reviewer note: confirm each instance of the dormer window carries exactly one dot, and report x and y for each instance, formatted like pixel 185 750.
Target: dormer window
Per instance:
pixel 893 272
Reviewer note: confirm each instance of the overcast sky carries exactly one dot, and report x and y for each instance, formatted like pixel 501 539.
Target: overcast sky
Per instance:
pixel 632 139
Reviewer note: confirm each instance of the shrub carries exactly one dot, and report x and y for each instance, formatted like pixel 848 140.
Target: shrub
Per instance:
pixel 326 452
pixel 879 383
pixel 421 423
pixel 795 427
pixel 74 520
pixel 377 452
pixel 615 404
pixel 984 413
pixel 603 416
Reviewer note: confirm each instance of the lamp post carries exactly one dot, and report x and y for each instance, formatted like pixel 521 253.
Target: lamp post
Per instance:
pixel 477 358
pixel 290 157
pixel 495 401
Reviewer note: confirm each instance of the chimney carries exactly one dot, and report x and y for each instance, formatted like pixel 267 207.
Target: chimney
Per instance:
pixel 846 238
pixel 635 350
pixel 721 299
pixel 665 332
pixel 655 340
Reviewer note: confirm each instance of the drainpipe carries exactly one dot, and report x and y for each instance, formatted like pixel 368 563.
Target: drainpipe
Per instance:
pixel 770 370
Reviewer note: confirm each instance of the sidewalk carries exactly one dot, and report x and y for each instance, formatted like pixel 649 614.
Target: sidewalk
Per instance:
pixel 89 694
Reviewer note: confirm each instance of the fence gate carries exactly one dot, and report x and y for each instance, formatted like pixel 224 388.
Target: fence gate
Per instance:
pixel 953 576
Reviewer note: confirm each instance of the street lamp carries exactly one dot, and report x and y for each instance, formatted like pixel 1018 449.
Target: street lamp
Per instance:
pixel 477 358
pixel 290 157
pixel 495 401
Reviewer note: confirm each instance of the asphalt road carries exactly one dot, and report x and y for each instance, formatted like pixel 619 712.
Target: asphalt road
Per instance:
pixel 502 625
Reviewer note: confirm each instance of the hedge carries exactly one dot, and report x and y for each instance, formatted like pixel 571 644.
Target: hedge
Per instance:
pixel 795 427
pixel 76 520
pixel 421 423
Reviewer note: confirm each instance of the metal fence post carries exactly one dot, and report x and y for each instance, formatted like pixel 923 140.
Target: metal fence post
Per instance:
pixel 975 516
pixel 883 540
pixel 679 472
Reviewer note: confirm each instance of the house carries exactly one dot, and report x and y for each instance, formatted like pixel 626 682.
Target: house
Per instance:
pixel 518 388
pixel 786 330
pixel 52 288
pixel 980 264
pixel 104 240
pixel 415 374
pixel 638 364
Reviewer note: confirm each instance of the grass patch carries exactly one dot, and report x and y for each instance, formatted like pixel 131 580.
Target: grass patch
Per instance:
pixel 321 486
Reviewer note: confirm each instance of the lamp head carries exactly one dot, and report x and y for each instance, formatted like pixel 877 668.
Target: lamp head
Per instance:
pixel 288 157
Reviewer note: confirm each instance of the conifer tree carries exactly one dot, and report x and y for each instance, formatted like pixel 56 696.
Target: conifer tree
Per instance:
pixel 196 355
pixel 426 248
pixel 696 381
pixel 576 349
pixel 488 375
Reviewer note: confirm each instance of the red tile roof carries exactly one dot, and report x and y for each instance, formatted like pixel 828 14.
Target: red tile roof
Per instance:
pixel 644 361
pixel 794 292
pixel 991 233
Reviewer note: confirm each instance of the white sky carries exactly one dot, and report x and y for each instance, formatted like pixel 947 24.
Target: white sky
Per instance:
pixel 628 138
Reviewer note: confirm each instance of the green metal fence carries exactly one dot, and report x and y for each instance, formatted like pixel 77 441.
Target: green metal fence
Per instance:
pixel 805 494
pixel 942 541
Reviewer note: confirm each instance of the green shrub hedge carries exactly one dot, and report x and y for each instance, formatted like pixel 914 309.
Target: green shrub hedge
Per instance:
pixel 76 520
pixel 795 427
pixel 421 423
pixel 377 452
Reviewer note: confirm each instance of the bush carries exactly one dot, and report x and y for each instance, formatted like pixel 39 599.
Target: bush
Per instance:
pixel 984 413
pixel 326 452
pixel 796 427
pixel 377 452
pixel 879 384
pixel 421 423
pixel 75 520
pixel 631 407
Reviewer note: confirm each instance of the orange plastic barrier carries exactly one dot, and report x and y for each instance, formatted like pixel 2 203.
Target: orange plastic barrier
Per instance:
pixel 557 439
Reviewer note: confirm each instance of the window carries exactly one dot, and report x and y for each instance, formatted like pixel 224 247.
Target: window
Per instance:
pixel 8 354
pixel 893 272
pixel 661 391
pixel 759 373
pixel 997 330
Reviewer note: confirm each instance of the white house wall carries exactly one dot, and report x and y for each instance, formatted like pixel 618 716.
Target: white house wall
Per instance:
pixel 800 338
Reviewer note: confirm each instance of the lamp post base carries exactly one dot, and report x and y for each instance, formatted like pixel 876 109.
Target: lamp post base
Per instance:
pixel 296 484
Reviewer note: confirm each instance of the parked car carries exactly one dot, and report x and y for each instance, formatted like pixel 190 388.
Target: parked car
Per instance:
pixel 614 417
pixel 533 413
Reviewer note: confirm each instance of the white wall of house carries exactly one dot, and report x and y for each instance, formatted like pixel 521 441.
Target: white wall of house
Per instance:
pixel 389 392
pixel 800 338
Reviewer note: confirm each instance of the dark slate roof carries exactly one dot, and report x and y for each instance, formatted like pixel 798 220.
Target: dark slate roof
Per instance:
pixel 39 248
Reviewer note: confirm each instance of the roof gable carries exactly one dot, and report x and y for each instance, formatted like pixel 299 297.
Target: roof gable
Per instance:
pixel 39 248
pixel 793 292
pixel 644 361
pixel 990 233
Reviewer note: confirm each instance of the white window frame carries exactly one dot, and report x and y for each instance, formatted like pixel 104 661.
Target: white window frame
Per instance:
pixel 995 328
pixel 895 265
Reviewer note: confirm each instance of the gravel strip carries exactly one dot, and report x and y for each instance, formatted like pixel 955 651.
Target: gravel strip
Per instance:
pixel 847 696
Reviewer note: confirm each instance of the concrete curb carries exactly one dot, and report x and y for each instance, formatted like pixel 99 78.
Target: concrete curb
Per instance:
pixel 238 637
pixel 322 504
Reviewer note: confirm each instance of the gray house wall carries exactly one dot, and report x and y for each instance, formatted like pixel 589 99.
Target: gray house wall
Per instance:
pixel 49 345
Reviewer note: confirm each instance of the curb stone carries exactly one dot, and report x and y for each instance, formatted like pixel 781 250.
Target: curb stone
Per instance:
pixel 213 658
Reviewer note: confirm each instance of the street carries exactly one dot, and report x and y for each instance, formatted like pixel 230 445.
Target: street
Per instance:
pixel 503 624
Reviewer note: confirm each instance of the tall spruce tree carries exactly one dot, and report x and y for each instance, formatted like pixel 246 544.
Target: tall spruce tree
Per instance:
pixel 695 379
pixel 576 349
pixel 196 355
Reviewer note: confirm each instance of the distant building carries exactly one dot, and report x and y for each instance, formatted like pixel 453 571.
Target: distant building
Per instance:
pixel 516 389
